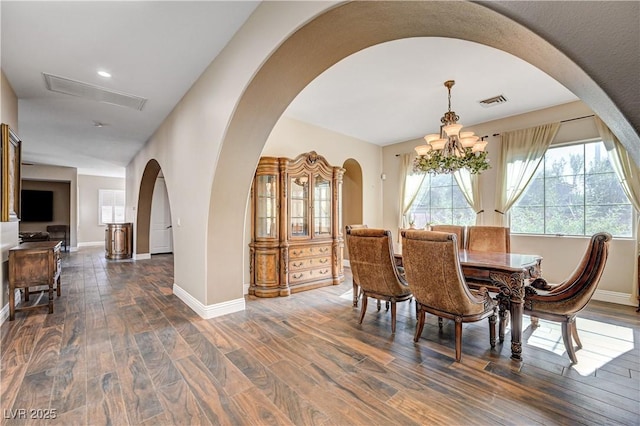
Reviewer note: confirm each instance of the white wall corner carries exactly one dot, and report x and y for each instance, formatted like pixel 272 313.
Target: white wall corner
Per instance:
pixel 615 297
pixel 245 289
pixel 209 311
pixel 4 312
pixel 346 264
pixel 142 256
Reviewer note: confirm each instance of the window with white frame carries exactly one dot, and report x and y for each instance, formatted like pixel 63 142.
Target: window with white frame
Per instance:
pixel 574 191
pixel 440 201
pixel 110 206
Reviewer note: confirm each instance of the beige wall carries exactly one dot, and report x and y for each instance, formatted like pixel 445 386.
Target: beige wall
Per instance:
pixel 187 146
pixel 8 230
pixel 8 104
pixel 89 230
pixel 561 254
pixel 212 139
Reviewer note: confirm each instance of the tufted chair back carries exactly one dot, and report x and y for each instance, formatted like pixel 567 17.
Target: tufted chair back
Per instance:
pixel 374 267
pixel 489 238
pixel 432 269
pixel 460 231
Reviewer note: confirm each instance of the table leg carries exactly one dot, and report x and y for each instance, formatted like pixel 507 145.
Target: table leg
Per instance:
pixel 517 309
pixel 12 303
pixel 512 297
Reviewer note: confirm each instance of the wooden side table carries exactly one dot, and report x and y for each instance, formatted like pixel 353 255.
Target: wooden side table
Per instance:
pixel 34 264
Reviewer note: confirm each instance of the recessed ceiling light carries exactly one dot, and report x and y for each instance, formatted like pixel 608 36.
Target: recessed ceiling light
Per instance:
pixel 104 74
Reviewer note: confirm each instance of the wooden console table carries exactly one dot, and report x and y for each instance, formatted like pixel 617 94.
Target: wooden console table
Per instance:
pixel 30 265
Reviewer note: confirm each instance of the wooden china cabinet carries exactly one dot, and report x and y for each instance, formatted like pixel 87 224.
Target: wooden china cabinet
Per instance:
pixel 296 234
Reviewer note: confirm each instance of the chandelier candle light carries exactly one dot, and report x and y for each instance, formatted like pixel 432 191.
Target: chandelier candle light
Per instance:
pixel 452 149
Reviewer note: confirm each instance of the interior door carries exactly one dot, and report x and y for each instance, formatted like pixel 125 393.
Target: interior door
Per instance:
pixel 161 237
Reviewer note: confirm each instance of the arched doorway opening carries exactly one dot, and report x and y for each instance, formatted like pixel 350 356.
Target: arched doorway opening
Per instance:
pixel 153 221
pixel 351 196
pixel 332 36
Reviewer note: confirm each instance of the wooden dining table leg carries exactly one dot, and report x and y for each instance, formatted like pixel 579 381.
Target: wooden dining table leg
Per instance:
pixel 512 290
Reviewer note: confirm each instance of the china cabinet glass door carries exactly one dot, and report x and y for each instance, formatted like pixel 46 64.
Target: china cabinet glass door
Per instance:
pixel 299 204
pixel 266 206
pixel 321 206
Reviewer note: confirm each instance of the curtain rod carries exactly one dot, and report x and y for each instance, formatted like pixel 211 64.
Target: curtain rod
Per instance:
pixel 561 121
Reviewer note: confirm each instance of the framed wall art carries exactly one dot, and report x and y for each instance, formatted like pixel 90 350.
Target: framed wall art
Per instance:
pixel 10 175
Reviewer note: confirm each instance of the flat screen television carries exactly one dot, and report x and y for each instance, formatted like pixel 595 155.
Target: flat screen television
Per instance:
pixel 36 206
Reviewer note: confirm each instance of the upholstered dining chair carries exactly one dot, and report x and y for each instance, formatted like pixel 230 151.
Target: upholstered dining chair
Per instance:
pixel 374 269
pixel 565 300
pixel 459 230
pixel 434 275
pixel 356 287
pixel 489 238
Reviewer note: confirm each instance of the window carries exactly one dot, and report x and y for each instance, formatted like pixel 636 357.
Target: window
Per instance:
pixel 574 191
pixel 110 206
pixel 440 201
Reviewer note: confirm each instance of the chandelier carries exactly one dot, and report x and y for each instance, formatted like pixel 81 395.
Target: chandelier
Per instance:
pixel 452 149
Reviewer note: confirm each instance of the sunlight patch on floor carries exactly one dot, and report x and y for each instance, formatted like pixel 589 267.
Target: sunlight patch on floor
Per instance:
pixel 347 295
pixel 601 342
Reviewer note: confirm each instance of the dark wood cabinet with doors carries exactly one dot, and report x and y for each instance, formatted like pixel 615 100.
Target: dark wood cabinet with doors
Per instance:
pixel 34 264
pixel 296 234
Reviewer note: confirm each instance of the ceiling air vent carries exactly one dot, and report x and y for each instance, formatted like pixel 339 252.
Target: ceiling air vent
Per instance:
pixel 95 93
pixel 496 100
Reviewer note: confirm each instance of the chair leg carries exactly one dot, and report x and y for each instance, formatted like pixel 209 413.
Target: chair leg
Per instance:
pixel 504 319
pixel 574 333
pixel 379 304
pixel 393 317
pixel 568 344
pixel 440 323
pixel 355 294
pixel 420 325
pixel 492 330
pixel 58 286
pixel 363 309
pixel 386 305
pixel 458 340
pixel 535 322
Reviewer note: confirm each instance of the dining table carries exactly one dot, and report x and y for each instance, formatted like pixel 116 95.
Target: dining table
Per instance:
pixel 505 274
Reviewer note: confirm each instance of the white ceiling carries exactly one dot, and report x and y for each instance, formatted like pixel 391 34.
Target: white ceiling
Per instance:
pixel 156 50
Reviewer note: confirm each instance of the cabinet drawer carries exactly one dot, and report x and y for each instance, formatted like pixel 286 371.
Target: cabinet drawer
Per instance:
pixel 308 251
pixel 309 275
pixel 310 262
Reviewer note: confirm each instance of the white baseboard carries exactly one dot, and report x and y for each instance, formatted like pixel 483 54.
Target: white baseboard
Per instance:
pixel 208 311
pixel 615 297
pixel 4 312
pixel 142 256
pixel 91 243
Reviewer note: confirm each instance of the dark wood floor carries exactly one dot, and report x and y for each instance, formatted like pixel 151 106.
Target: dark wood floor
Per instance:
pixel 121 349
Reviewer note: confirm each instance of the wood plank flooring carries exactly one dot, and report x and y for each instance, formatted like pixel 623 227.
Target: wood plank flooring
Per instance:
pixel 121 349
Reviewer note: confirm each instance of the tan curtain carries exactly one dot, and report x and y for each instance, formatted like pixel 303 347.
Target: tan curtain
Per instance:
pixel 629 176
pixel 627 171
pixel 409 186
pixel 522 151
pixel 470 188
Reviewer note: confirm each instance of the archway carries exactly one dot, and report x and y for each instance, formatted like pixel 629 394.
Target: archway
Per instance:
pixel 143 218
pixel 351 196
pixel 323 41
